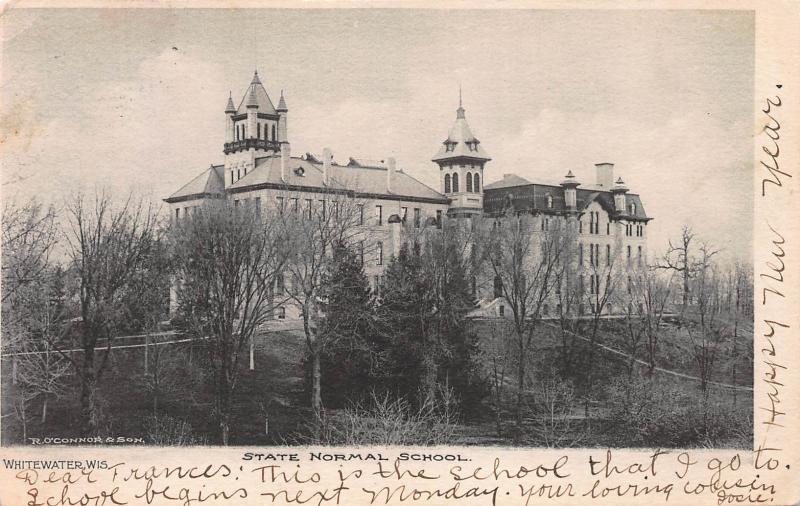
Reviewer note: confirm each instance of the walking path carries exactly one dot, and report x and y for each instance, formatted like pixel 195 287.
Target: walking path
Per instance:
pixel 659 369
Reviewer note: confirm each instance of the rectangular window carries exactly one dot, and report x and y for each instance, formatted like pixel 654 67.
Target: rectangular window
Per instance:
pixel 591 254
pixel 281 313
pixel 416 217
pixel 608 254
pixel 309 205
pixel 232 180
pixel 580 227
pixel 376 285
pixel 438 218
pixel 502 310
pixel 177 212
pixel 629 253
pixel 279 284
pixel 379 215
pixel 580 255
pixel 361 252
pixel 294 204
pixel 257 201
pixel 322 204
pixel 608 228
pixel 379 253
pixel 236 203
pixel 360 214
pixel 280 204
pixel 403 213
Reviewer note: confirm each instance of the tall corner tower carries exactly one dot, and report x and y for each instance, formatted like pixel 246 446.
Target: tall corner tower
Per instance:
pixel 253 129
pixel 461 160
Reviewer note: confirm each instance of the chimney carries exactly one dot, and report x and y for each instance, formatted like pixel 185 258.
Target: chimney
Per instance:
pixel 326 165
pixel 605 175
pixel 391 166
pixel 286 154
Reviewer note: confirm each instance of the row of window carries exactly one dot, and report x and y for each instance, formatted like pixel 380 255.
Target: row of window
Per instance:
pixel 187 211
pixel 450 146
pixel 637 230
pixel 473 182
pixel 594 254
pixel 308 209
pixel 263 132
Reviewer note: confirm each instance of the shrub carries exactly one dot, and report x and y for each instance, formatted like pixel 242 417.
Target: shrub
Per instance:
pixel 386 420
pixel 165 430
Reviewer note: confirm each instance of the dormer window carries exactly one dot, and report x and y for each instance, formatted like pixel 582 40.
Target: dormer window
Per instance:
pixel 449 145
pixel 632 209
pixel 549 201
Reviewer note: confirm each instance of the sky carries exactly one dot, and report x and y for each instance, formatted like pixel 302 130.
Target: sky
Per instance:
pixel 134 99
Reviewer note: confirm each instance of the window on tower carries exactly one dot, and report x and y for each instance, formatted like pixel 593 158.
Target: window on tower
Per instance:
pixel 447 183
pixel 274 137
pixel 469 181
pixel 476 184
pixel 455 182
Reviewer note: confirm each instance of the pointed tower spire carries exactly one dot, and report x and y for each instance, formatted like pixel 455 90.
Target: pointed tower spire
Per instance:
pixel 460 110
pixel 282 104
pixel 230 107
pixel 255 80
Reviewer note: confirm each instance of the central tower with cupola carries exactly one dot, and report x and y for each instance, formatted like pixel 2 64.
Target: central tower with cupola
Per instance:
pixel 254 129
pixel 461 160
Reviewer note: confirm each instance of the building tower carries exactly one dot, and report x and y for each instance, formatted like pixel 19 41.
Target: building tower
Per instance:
pixel 251 130
pixel 461 160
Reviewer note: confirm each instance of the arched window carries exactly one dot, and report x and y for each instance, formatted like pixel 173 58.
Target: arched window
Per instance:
pixel 632 208
pixel 447 183
pixel 258 126
pixel 274 137
pixel 498 287
pixel 469 181
pixel 476 184
pixel 549 200
pixel 455 182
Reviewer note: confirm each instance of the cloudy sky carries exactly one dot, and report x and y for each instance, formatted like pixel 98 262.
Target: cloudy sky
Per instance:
pixel 135 98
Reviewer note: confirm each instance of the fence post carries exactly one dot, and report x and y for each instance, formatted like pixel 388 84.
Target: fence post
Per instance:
pixel 252 353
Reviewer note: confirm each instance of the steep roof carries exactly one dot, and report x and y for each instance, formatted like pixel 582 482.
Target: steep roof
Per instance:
pixel 210 182
pixel 256 95
pixel 362 179
pixel 461 142
pixel 508 180
pixel 533 197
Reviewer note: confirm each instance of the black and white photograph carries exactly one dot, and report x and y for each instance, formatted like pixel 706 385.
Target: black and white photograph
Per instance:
pixel 378 227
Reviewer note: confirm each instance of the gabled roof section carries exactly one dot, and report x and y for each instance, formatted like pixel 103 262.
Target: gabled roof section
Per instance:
pixel 256 95
pixel 460 142
pixel 208 183
pixel 307 173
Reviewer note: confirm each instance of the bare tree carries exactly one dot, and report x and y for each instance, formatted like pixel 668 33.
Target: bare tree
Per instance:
pixel 29 236
pixel 644 305
pixel 108 248
pixel 31 313
pixel 740 290
pixel 525 263
pixel 226 258
pixel 312 233
pixel 678 258
pixel 604 274
pixel 498 351
pixel 708 333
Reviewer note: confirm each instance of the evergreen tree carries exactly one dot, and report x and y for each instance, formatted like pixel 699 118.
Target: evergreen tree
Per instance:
pixel 349 355
pixel 426 300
